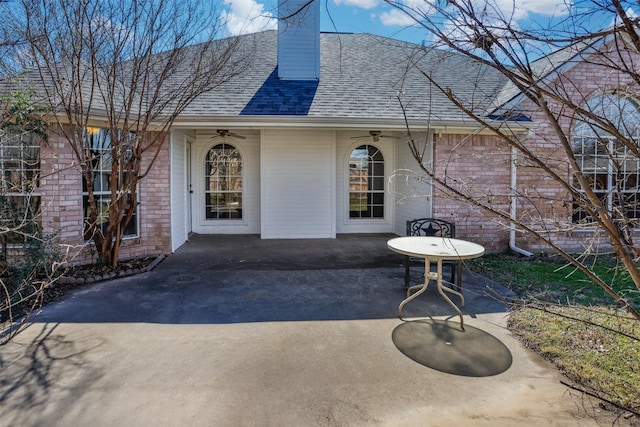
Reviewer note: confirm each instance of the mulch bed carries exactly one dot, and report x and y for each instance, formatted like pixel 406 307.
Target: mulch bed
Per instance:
pixel 79 276
pixel 74 278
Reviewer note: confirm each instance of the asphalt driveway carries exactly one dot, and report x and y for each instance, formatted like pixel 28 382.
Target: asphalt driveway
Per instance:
pixel 238 331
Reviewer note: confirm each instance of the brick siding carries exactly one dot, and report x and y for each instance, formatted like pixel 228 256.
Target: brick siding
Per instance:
pixel 477 166
pixel 61 192
pixel 480 166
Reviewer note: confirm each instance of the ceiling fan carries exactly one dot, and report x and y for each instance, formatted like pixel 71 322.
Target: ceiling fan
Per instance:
pixel 375 135
pixel 224 133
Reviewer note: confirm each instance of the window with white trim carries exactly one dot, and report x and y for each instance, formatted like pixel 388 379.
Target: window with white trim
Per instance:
pixel 366 183
pixel 223 183
pixel 99 143
pixel 610 166
pixel 20 180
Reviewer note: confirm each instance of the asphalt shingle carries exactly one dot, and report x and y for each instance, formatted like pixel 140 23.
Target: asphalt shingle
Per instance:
pixel 362 76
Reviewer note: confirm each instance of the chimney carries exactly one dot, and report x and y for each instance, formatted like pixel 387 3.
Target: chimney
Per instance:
pixel 299 40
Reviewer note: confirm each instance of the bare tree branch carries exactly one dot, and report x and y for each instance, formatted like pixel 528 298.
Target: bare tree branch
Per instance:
pixel 130 68
pixel 532 62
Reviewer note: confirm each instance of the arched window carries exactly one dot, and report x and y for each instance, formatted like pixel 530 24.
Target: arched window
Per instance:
pixel 608 161
pixel 366 183
pixel 223 183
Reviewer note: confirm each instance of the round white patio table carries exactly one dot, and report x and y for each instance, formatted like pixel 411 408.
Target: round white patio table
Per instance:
pixel 434 249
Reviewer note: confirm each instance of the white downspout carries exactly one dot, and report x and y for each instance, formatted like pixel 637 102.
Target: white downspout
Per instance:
pixel 512 212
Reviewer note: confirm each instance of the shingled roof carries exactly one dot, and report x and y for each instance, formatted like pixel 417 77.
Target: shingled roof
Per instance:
pixel 361 78
pixel 364 79
pixel 544 70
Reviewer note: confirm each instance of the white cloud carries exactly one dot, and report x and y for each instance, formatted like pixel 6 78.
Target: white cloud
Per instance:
pixel 396 17
pixel 247 16
pixel 492 10
pixel 499 14
pixel 521 9
pixel 415 9
pixel 545 7
pixel 363 4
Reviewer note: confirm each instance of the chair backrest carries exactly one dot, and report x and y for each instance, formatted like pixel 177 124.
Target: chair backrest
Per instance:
pixel 431 227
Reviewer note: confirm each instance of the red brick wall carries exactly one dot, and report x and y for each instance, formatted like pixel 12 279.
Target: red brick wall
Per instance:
pixel 155 203
pixel 549 209
pixel 478 167
pixel 61 191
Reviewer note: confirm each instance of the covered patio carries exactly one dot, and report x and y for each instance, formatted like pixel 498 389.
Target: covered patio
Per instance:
pixel 242 278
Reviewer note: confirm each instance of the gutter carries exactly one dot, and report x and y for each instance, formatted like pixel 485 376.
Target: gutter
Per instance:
pixel 512 212
pixel 302 122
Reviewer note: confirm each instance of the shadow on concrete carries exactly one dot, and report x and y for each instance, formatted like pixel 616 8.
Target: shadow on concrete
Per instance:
pixel 34 370
pixel 238 279
pixel 443 346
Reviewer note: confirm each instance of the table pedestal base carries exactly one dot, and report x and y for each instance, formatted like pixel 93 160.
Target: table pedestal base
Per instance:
pixel 437 276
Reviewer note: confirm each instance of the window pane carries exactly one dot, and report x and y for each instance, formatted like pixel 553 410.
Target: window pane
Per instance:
pixel 609 165
pixel 19 178
pixel 621 111
pixel 22 214
pixel 366 183
pixel 378 183
pixel 102 208
pixel 101 181
pixel 132 228
pixel 100 143
pixel 224 206
pixel 378 198
pixel 19 161
pixel 378 169
pixel 223 183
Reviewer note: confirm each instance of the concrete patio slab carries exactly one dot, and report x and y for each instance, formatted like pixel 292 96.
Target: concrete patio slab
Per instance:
pixel 236 331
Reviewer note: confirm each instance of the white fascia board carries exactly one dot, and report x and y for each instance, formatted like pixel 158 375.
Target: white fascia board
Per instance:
pixel 284 122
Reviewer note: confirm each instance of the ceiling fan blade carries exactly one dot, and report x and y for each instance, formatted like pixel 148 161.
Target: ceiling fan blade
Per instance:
pixel 224 133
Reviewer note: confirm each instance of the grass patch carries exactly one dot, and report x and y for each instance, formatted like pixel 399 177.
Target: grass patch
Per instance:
pixel 549 278
pixel 571 321
pixel 597 348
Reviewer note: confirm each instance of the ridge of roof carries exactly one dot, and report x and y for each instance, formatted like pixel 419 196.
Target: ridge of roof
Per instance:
pixel 545 69
pixel 364 78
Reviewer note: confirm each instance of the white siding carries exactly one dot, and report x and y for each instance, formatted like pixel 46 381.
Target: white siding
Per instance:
pixel 250 150
pixel 412 186
pixel 299 41
pixel 179 191
pixel 346 142
pixel 298 184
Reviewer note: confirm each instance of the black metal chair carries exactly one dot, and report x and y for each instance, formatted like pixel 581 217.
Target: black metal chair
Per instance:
pixel 437 228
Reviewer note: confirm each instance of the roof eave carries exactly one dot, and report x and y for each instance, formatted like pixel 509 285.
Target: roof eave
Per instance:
pixel 297 122
pixel 552 74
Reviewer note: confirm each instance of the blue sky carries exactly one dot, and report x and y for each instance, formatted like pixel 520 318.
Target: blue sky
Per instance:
pixel 376 17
